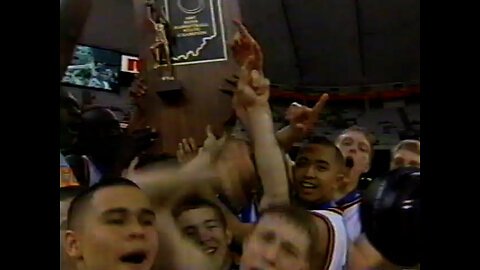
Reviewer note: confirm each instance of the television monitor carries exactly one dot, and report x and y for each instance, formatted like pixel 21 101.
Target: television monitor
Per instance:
pixel 94 68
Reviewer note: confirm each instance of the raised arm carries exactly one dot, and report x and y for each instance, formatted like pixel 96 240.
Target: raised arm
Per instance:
pixel 302 119
pixel 161 183
pixel 252 106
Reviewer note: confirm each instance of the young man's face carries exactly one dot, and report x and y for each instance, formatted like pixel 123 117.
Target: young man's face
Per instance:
pixel 117 231
pixel 355 145
pixel 204 227
pixel 316 173
pixel 276 244
pixel 405 158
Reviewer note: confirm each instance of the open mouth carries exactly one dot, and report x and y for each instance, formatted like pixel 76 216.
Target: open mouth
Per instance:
pixel 210 250
pixel 308 185
pixel 136 257
pixel 349 162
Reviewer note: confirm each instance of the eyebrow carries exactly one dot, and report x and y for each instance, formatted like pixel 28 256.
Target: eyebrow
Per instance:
pixel 321 161
pixel 210 220
pixel 115 211
pixel 145 211
pixel 121 210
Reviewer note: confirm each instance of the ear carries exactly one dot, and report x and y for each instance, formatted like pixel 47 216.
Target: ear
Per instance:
pixel 367 167
pixel 245 241
pixel 340 179
pixel 72 244
pixel 229 235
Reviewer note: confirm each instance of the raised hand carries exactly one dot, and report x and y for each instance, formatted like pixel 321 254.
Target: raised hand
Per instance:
pixel 187 150
pixel 303 118
pixel 245 46
pixel 252 89
pixel 212 146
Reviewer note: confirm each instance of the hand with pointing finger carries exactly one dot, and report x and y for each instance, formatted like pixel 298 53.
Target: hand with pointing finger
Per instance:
pixel 245 46
pixel 302 118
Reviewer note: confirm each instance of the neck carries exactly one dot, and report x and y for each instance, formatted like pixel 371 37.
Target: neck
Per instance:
pixel 227 262
pixel 79 266
pixel 307 205
pixel 350 185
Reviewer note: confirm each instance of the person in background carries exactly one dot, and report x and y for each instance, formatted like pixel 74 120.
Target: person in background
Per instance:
pixel 406 154
pixel 105 150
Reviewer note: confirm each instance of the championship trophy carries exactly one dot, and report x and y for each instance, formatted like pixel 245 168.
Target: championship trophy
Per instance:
pixel 163 75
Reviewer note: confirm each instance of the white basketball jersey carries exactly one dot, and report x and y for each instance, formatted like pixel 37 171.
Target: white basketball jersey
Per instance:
pixel 337 250
pixel 353 223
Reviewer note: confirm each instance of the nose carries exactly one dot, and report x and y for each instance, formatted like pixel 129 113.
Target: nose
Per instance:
pixel 270 254
pixel 203 236
pixel 310 172
pixel 136 231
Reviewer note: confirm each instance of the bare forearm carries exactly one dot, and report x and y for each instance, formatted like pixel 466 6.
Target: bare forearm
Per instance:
pixel 162 183
pixel 287 136
pixel 268 157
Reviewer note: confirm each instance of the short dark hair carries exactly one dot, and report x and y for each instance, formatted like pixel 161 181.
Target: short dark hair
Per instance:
pixel 321 140
pixel 190 202
pixel 78 204
pixel 302 219
pixel 369 135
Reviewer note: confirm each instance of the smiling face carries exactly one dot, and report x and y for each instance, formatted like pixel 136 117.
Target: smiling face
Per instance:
pixel 204 227
pixel 116 231
pixel 317 173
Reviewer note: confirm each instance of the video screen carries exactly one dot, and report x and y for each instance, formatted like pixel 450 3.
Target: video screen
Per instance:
pixel 94 68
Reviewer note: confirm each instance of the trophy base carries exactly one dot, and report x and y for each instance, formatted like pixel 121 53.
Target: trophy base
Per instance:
pixel 169 85
pixel 165 84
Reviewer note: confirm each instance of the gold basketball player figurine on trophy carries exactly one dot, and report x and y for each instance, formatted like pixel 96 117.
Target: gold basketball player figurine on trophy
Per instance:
pixel 161 46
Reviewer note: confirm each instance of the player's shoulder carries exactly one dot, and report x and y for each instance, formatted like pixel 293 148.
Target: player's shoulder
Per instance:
pixel 333 236
pixel 350 200
pixel 332 217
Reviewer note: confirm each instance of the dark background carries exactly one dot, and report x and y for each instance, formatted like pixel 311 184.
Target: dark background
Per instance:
pixel 337 42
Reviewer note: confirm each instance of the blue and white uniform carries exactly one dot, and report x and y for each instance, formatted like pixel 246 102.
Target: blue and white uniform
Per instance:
pixel 350 206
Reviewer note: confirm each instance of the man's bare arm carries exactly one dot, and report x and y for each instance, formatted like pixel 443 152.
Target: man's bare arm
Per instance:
pixel 253 105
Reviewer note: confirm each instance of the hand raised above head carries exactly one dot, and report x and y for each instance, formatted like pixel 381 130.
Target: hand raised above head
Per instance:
pixel 302 117
pixel 245 46
pixel 252 88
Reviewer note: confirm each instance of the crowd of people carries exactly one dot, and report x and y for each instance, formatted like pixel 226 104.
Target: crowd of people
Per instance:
pixel 231 202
